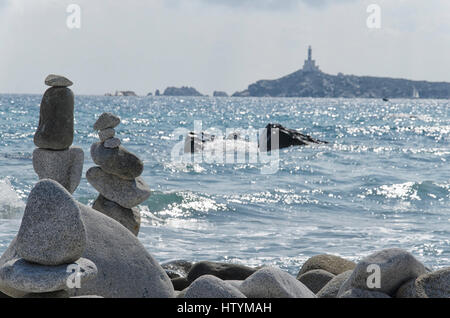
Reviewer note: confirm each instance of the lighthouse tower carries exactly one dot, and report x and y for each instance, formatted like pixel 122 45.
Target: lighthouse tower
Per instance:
pixel 310 64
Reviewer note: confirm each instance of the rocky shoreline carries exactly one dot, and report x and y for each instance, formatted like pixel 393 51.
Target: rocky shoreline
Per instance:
pixel 66 249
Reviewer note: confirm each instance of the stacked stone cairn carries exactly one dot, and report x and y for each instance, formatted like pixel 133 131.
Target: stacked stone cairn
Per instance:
pixel 47 261
pixel 55 158
pixel 117 176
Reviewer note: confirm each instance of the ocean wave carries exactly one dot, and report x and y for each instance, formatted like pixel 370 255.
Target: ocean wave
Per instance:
pixel 410 191
pixel 11 206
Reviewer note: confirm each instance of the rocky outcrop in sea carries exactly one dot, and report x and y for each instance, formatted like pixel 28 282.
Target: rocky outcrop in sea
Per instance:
pixel 117 176
pixel 181 91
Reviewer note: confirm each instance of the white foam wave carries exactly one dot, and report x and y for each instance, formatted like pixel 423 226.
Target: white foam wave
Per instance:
pixel 10 203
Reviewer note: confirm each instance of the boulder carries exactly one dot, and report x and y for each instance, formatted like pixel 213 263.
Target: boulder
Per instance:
pixel 130 218
pixel 55 130
pixel 107 133
pixel 224 271
pixel 212 287
pixel 362 293
pixel 105 121
pixel 434 285
pixel 117 161
pixel 33 278
pixel 272 282
pixel 275 136
pixel 407 290
pixel 112 143
pixel 52 230
pixel 331 289
pixel 57 81
pixel 333 264
pixel 180 283
pixel 396 268
pixel 125 268
pixel 64 166
pixel 127 193
pixel 316 279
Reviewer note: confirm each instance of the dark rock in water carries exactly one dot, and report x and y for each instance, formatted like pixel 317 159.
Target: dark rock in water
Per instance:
pixel 130 218
pixel 223 271
pixel 117 161
pixel 179 267
pixel 56 125
pixel 220 94
pixel 194 142
pixel 157 93
pixel 278 137
pixel 181 91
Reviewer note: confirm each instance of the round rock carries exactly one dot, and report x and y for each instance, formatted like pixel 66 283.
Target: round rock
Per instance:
pixel 331 289
pixel 127 193
pixel 130 218
pixel 32 278
pixel 107 133
pixel 224 271
pixel 330 263
pixel 272 282
pixel 57 81
pixel 112 143
pixel 396 267
pixel 105 121
pixel 52 231
pixel 64 166
pixel 316 279
pixel 434 285
pixel 212 287
pixel 117 161
pixel 55 130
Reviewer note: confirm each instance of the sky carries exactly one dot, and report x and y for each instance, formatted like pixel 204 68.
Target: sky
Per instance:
pixel 144 45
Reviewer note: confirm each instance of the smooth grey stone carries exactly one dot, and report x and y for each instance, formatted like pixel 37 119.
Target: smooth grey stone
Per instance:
pixel 52 230
pixel 235 283
pixel 117 161
pixel 316 279
pixel 224 271
pixel 32 278
pixel 125 268
pixel 179 267
pixel 105 121
pixel 397 267
pixel 333 264
pixel 434 285
pixel 130 218
pixel 64 166
pixel 271 282
pixel 407 290
pixel 112 143
pixel 212 287
pixel 57 81
pixel 55 130
pixel 107 133
pixel 361 293
pixel 331 289
pixel 127 193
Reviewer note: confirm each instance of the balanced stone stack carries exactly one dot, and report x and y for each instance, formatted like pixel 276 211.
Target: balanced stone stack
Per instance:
pixel 117 176
pixel 55 158
pixel 49 246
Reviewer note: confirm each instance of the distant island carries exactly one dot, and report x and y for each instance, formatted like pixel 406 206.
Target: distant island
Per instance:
pixel 181 91
pixel 310 81
pixel 122 93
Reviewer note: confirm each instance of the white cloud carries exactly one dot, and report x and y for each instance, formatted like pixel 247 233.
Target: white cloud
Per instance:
pixel 145 45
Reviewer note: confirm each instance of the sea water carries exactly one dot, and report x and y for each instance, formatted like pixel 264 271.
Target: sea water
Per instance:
pixel 383 180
